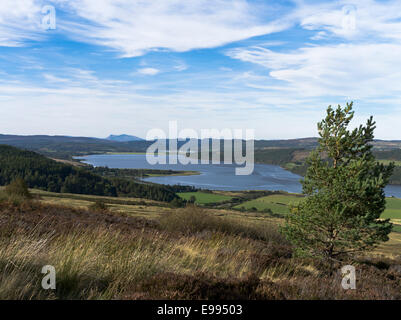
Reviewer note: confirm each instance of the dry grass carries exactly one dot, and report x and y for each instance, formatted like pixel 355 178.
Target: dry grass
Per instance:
pixel 185 254
pixel 193 220
pixel 100 256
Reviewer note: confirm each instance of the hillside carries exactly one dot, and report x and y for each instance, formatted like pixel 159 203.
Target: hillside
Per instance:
pixel 63 147
pixel 46 174
pixel 139 249
pixel 289 154
pixel 293 159
pixel 123 138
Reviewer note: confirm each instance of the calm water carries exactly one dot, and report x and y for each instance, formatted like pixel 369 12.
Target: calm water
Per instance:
pixel 214 176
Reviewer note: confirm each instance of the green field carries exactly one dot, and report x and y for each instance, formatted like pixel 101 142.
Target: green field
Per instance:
pixel 289 166
pixel 204 197
pixel 393 209
pixel 397 228
pixel 393 212
pixel 387 162
pixel 278 203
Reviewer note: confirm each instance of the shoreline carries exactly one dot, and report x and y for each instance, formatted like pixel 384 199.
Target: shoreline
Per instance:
pixel 184 172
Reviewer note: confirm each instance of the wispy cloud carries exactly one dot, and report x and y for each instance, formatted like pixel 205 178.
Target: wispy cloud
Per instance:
pixel 133 28
pixel 364 64
pixel 338 70
pixel 353 20
pixel 284 61
pixel 20 21
pixel 181 66
pixel 148 71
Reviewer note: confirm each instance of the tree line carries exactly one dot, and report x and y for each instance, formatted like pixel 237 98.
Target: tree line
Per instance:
pixel 42 173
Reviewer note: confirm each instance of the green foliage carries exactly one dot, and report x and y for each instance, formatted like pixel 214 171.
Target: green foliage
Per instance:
pixel 42 173
pixel 18 188
pixel 45 174
pixel 65 147
pixel 132 173
pixel 135 189
pixel 99 205
pixel 16 193
pixel 345 192
pixel 275 156
pixel 177 203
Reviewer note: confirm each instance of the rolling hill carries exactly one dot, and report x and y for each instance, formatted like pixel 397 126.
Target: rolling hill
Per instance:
pixel 43 173
pixel 123 138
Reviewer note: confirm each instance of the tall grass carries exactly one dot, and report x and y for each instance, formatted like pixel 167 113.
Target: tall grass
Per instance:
pixel 193 219
pixel 16 193
pixel 190 255
pixel 103 263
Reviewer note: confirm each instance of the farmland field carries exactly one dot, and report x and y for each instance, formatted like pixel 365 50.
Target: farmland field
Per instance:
pixel 393 212
pixel 393 209
pixel 204 197
pixel 387 162
pixel 152 210
pixel 278 203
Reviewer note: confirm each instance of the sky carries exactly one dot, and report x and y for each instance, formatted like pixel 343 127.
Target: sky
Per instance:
pixel 100 67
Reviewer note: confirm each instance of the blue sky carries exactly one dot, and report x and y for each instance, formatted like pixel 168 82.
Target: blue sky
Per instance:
pixel 126 66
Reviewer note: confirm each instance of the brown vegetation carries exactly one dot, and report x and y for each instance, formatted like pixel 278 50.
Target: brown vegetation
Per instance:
pixel 186 254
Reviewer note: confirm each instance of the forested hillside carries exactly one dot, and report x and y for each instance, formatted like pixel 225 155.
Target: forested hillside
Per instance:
pixel 63 147
pixel 43 173
pixel 290 154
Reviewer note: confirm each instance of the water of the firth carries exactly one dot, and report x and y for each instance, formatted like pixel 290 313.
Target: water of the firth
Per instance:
pixel 214 176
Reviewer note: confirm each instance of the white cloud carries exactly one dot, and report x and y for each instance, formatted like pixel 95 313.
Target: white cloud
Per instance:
pixel 20 20
pixel 181 66
pixel 55 79
pixel 356 19
pixel 133 28
pixel 291 86
pixel 363 66
pixel 358 70
pixel 107 105
pixel 149 71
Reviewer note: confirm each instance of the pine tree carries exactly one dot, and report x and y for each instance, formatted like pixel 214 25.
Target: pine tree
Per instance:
pixel 344 188
pixel 192 199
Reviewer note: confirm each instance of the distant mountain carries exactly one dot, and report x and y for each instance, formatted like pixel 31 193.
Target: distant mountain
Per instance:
pixel 64 147
pixel 303 143
pixel 123 138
